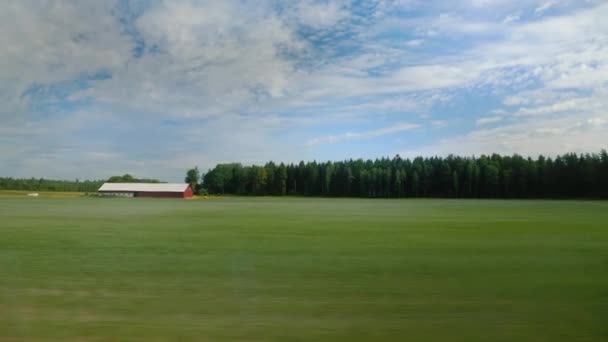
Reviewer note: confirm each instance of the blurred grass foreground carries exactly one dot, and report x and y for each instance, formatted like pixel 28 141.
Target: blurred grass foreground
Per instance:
pixel 293 269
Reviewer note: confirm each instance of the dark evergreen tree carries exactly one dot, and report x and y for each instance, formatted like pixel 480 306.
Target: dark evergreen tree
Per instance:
pixel 494 176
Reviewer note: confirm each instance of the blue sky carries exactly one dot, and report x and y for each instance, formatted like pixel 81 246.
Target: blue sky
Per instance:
pixel 152 87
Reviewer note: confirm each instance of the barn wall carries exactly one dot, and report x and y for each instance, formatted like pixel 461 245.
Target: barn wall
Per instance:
pixel 116 193
pixel 160 194
pixel 150 194
pixel 188 193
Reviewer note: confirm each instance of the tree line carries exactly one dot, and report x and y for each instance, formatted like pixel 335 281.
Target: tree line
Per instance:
pixel 488 176
pixel 41 184
pixel 127 178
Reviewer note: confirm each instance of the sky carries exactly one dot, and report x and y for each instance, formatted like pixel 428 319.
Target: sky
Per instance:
pixel 90 89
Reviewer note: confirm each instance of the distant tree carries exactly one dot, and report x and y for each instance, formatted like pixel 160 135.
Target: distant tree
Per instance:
pixel 272 186
pixel 455 183
pixel 415 184
pixel 279 186
pixel 491 178
pixel 398 186
pixel 262 180
pixel 127 178
pixel 41 184
pixel 192 177
pixel 602 173
pixel 327 177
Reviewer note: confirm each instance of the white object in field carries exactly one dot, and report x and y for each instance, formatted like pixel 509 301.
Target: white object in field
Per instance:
pixel 33 194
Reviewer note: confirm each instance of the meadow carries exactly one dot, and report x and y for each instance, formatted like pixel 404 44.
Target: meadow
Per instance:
pixel 302 269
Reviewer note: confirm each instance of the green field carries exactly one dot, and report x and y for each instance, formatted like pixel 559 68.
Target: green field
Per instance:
pixel 290 269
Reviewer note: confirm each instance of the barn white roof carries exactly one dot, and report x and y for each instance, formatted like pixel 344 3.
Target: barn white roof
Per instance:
pixel 144 187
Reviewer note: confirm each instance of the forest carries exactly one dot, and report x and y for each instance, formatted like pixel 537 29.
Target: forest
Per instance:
pixel 567 176
pixel 41 184
pixel 488 176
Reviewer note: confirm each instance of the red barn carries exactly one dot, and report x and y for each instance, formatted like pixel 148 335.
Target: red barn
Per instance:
pixel 160 190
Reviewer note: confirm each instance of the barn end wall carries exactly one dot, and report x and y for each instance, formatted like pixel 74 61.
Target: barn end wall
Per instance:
pixel 188 193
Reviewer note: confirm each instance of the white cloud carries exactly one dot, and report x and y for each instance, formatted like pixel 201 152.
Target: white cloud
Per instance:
pixel 531 138
pixel 580 130
pixel 414 42
pixel 511 18
pixel 582 75
pixel 448 24
pixel 553 108
pixel 439 123
pixel 40 45
pixel 488 120
pixel 320 14
pixel 545 6
pixel 332 139
pixel 226 54
pixel 246 67
pixel 597 121
pixel 488 3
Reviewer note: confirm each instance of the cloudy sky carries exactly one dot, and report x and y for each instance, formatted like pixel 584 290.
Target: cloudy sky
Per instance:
pixel 93 88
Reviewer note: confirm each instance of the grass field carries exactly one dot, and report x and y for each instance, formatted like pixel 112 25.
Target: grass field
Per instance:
pixel 42 194
pixel 289 269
